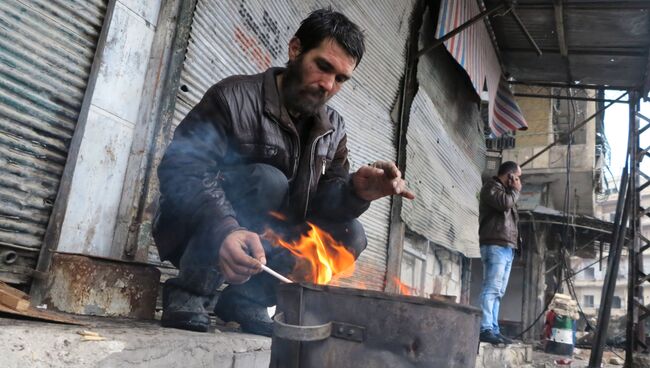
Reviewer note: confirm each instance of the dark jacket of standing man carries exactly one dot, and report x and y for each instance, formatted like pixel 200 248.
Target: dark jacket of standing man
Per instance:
pixel 254 145
pixel 498 236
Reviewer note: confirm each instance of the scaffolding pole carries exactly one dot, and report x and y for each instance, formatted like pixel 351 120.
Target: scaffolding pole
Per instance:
pixel 637 311
pixel 611 275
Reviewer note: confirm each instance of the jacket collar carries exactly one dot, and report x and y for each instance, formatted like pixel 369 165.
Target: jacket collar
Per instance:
pixel 274 107
pixel 497 181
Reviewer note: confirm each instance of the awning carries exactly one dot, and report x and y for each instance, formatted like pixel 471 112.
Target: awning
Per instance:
pixel 584 43
pixel 473 50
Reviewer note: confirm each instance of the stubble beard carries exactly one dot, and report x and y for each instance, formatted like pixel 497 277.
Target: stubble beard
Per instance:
pixel 300 100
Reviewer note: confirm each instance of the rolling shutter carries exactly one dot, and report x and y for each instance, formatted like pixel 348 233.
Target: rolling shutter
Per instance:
pixel 46 51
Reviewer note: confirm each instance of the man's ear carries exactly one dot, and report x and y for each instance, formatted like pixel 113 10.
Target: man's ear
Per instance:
pixel 295 48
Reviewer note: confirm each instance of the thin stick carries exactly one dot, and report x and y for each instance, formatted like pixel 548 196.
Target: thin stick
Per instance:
pixel 276 275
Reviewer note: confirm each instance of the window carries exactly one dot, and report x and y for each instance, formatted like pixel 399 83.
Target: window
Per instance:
pixel 588 301
pixel 590 274
pixel 616 302
pixel 412 273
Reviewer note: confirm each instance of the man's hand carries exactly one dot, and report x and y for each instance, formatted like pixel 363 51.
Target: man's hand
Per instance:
pixel 380 179
pixel 241 256
pixel 514 182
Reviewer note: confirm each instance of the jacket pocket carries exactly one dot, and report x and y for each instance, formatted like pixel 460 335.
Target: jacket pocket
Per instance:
pixel 258 151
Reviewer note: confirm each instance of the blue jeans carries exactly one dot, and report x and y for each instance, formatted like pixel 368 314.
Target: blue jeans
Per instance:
pixel 497 262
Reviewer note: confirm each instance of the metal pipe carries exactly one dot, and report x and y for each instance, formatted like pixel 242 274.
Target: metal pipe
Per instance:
pixel 568 98
pixel 635 329
pixel 526 33
pixel 571 131
pixel 460 28
pixel 609 285
pixel 605 231
pixel 590 5
pixel 569 85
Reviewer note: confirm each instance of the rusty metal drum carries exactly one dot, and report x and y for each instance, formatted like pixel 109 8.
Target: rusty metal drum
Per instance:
pixel 331 327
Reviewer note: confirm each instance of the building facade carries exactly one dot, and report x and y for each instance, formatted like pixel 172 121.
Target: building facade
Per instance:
pixel 94 92
pixel 589 280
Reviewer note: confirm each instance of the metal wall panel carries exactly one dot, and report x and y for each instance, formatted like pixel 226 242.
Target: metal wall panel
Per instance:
pixel 46 51
pixel 248 36
pixel 446 179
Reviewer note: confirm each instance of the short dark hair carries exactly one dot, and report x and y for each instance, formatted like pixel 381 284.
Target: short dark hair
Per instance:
pixel 507 168
pixel 326 23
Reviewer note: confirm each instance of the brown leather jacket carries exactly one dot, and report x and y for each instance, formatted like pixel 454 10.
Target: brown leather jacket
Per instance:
pixel 241 120
pixel 498 217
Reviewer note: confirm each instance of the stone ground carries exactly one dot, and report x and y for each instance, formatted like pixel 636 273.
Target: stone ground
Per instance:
pixel 523 355
pixel 128 343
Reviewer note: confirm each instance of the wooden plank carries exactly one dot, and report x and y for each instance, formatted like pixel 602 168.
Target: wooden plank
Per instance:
pixel 13 298
pixel 12 301
pixel 16 302
pixel 13 291
pixel 45 315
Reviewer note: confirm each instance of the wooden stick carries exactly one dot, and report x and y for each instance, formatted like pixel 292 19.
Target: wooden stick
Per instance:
pixel 12 301
pixel 276 275
pixel 13 291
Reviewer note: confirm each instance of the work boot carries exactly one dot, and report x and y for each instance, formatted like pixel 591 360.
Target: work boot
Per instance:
pixel 183 309
pixel 490 337
pixel 506 340
pixel 253 317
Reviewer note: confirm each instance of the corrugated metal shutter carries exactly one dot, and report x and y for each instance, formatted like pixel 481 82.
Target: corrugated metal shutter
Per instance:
pixel 46 51
pixel 247 36
pixel 446 177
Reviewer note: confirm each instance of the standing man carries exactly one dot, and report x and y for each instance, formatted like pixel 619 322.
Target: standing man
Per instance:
pixel 498 236
pixel 254 145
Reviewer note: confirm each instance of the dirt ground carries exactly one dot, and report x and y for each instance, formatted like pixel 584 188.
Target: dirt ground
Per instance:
pixel 580 359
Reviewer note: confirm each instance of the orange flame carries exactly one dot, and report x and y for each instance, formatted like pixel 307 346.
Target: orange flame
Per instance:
pixel 403 288
pixel 320 257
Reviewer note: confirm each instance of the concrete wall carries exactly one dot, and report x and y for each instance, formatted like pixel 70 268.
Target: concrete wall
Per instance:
pixel 587 285
pixel 550 168
pixel 538 114
pixel 97 182
pixel 430 269
pixel 595 290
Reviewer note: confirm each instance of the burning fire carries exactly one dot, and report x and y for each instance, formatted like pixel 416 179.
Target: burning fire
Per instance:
pixel 403 288
pixel 320 257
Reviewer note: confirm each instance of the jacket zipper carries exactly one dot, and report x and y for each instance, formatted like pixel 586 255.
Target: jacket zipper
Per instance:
pixel 311 157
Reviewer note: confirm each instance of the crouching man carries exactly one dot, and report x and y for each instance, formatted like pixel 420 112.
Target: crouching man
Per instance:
pixel 256 145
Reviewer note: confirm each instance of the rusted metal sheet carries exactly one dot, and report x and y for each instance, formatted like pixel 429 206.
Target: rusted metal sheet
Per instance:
pixel 445 180
pixel 101 287
pixel 46 51
pixel 323 326
pixel 445 153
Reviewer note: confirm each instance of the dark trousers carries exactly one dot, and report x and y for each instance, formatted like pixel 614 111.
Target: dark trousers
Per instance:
pixel 254 191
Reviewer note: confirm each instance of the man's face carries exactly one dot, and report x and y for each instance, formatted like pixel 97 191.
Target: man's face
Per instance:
pixel 313 77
